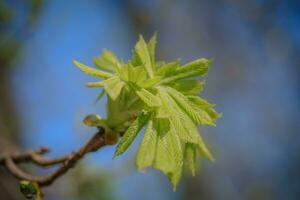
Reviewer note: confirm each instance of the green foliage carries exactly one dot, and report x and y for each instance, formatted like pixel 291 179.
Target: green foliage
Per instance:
pixel 131 133
pixel 147 148
pixel 163 98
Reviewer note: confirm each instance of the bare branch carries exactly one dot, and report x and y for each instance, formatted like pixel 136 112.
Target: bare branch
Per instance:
pixel 10 160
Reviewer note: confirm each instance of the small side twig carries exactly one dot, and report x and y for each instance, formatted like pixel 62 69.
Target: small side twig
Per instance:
pixel 34 156
pixel 10 160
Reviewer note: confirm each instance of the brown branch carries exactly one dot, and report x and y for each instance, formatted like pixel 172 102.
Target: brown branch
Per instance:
pixel 10 160
pixel 34 156
pixel 41 161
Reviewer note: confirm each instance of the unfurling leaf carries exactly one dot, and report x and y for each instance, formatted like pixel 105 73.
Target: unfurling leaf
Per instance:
pixel 91 71
pixel 199 116
pixel 131 133
pixel 107 61
pixel 146 152
pixel 204 150
pixel 190 157
pixel 148 98
pixel 151 48
pixel 195 68
pixel 188 87
pixel 169 155
pixel 142 51
pixel 100 95
pixel 159 97
pixel 113 86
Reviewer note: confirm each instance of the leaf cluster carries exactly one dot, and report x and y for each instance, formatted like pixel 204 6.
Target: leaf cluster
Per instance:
pixel 157 97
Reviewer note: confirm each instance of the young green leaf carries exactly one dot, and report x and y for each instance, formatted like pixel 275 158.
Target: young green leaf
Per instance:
pixel 200 65
pixel 212 114
pixel 100 95
pixel 142 51
pixel 190 157
pixel 183 125
pixel 113 86
pixel 135 60
pixel 169 154
pixel 151 82
pixel 148 98
pixel 91 71
pixel 204 151
pixel 131 133
pixel 195 68
pixel 167 69
pixel 197 115
pixel 136 74
pixel 188 87
pixel 107 61
pixel 95 84
pixel 151 48
pixel 146 151
pixel 200 101
pixel 206 107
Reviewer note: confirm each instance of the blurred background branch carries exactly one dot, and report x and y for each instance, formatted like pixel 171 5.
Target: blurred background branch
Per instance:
pixel 10 160
pixel 11 41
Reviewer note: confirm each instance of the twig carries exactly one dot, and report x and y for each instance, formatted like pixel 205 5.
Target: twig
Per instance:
pixel 10 160
pixel 32 155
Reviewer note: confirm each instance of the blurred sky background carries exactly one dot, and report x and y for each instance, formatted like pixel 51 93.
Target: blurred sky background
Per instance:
pixel 254 80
